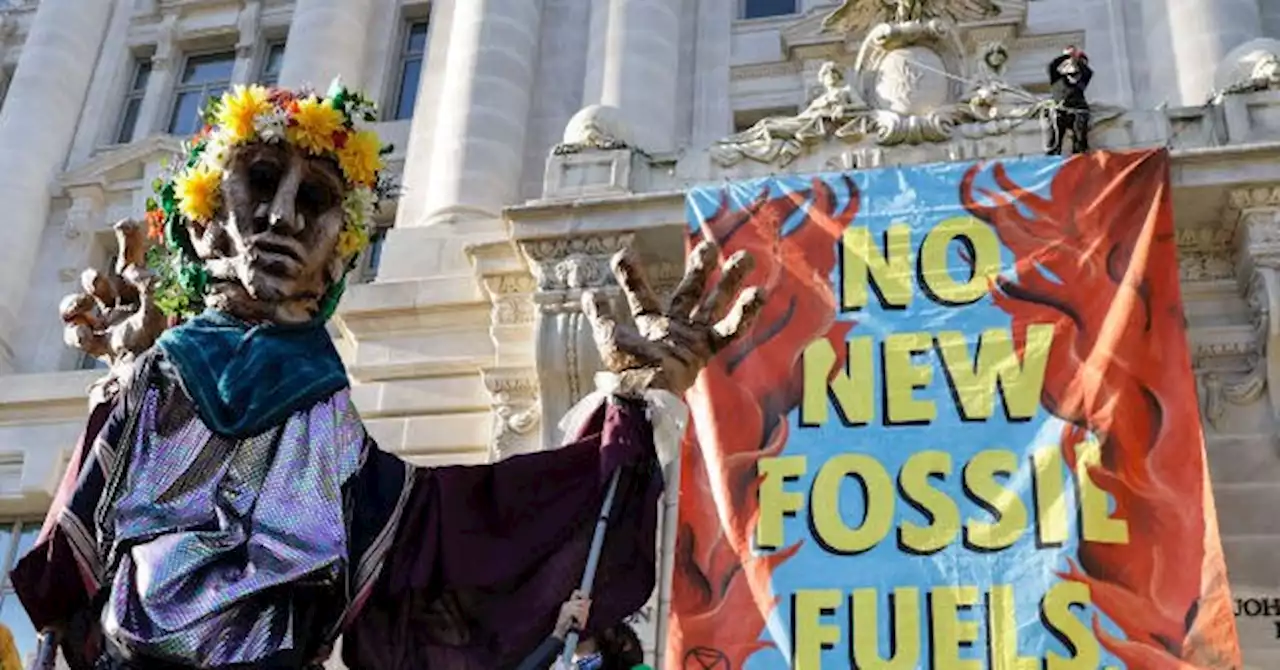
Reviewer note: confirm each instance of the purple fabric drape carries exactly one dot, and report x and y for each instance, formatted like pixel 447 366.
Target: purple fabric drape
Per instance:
pixel 485 556
pixel 481 560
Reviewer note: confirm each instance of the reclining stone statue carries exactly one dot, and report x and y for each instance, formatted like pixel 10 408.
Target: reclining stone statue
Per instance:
pixel 226 507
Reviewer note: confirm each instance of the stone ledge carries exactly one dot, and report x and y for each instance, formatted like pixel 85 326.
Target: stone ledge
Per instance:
pixel 442 434
pixel 1208 167
pixel 431 395
pixel 409 295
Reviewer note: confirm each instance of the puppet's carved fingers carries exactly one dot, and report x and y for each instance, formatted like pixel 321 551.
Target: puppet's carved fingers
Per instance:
pixel 79 309
pixel 86 339
pixel 688 292
pixel 131 238
pixel 100 287
pixel 738 322
pixel 641 297
pixel 727 286
pixel 131 261
pixel 621 347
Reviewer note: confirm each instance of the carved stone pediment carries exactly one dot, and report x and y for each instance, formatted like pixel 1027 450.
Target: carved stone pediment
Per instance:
pixel 125 163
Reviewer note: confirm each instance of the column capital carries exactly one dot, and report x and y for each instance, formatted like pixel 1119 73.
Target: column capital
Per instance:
pixel 566 264
pixel 1254 219
pixel 1256 228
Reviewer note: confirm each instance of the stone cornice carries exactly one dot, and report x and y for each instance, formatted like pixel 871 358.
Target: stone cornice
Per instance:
pixel 97 169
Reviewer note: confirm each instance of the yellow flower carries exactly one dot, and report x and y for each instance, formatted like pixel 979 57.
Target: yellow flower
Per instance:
pixel 240 106
pixel 313 124
pixel 199 192
pixel 352 240
pixel 359 157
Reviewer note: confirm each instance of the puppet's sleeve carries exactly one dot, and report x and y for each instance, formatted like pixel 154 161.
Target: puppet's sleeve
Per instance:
pixel 485 555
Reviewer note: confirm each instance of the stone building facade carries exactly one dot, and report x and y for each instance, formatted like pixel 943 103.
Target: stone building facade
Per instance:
pixel 536 137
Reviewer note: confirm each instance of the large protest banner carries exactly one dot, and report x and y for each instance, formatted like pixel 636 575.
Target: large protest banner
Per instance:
pixel 963 434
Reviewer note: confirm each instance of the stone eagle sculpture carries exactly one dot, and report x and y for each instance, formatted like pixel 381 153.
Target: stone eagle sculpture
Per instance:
pixel 854 16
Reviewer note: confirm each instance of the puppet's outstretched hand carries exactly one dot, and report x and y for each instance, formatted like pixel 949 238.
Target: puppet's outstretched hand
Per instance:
pixel 669 343
pixel 114 319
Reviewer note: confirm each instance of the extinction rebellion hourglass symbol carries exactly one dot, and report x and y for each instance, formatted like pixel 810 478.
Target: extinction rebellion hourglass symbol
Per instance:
pixel 705 658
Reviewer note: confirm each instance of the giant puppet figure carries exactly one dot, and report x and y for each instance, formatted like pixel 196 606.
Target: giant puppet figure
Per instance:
pixel 226 507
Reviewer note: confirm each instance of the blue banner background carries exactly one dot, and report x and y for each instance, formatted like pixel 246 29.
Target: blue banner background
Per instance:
pixel 921 196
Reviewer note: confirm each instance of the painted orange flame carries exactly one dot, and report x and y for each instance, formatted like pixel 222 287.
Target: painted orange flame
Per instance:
pixel 1119 368
pixel 719 604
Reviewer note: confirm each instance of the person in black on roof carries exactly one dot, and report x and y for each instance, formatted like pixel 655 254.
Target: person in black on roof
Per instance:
pixel 1069 76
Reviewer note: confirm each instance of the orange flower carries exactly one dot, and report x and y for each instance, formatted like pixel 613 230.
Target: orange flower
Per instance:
pixel 155 224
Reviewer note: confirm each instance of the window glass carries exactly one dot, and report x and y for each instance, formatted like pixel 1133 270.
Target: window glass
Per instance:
pixel 204 77
pixel 412 54
pixel 755 9
pixel 133 101
pixel 271 63
pixel 208 68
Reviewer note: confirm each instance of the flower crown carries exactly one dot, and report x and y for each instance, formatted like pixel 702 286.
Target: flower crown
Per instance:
pixel 191 189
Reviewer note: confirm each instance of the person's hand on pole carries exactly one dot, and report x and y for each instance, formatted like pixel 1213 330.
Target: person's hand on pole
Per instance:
pixel 573 615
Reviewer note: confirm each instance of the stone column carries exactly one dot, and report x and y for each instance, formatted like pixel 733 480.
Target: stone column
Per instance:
pixel 153 116
pixel 1187 39
pixel 478 149
pixel 633 62
pixel 712 109
pixel 326 39
pixel 37 126
pixel 247 42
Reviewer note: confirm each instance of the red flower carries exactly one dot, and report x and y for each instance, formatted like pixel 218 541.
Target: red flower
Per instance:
pixel 281 97
pixel 340 139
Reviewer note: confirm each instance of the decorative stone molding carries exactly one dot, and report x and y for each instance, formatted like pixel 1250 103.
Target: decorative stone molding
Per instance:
pixel 517 411
pixel 166 43
pixel 512 298
pixel 88 204
pixel 1258 271
pixel 565 351
pixel 1235 365
pixel 247 28
pixel 921 76
pixel 1208 253
pixel 574 263
pixel 764 71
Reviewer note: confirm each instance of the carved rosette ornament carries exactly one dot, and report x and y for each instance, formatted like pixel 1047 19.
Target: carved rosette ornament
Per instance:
pixel 517 411
pixel 565 352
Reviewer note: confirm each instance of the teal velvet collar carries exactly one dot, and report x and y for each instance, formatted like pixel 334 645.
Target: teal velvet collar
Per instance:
pixel 246 379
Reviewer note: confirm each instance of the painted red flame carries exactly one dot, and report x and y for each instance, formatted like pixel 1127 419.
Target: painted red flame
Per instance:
pixel 742 399
pixel 1120 369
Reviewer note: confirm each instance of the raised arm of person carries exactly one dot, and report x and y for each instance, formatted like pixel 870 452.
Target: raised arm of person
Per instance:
pixel 573 616
pixel 1086 73
pixel 1054 74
